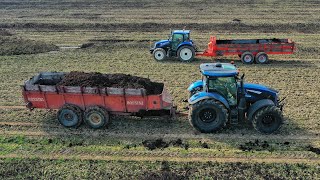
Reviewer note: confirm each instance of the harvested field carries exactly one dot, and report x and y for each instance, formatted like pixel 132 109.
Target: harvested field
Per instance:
pixel 115 36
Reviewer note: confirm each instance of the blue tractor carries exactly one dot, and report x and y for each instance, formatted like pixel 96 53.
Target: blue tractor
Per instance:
pixel 222 97
pixel 178 45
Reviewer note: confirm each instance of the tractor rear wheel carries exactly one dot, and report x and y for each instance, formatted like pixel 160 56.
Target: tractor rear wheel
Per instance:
pixel 208 115
pixel 267 119
pixel 97 117
pixel 247 58
pixel 70 116
pixel 262 58
pixel 159 54
pixel 186 53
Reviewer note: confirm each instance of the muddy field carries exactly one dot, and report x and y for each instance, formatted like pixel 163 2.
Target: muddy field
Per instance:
pixel 114 37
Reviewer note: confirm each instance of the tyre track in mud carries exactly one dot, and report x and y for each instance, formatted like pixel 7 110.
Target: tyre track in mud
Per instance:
pixel 163 158
pixel 12 107
pixel 40 129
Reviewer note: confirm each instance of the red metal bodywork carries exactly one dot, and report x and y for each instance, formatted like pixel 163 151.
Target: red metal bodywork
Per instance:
pixel 114 100
pixel 285 46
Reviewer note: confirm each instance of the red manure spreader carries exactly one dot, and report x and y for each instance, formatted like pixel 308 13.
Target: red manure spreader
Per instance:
pixel 92 104
pixel 250 50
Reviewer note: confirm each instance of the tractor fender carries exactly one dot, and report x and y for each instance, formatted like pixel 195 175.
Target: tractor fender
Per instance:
pixel 195 84
pixel 206 95
pixel 188 43
pixel 258 105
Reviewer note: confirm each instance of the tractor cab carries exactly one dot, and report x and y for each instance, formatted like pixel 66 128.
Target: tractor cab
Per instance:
pixel 178 45
pixel 222 79
pixel 177 37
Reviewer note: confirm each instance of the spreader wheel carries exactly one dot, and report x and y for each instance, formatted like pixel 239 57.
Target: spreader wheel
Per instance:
pixel 186 53
pixel 70 116
pixel 268 119
pixel 262 58
pixel 159 54
pixel 247 58
pixel 97 117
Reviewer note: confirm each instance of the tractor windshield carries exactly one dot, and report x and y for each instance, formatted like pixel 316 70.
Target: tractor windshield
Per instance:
pixel 177 37
pixel 226 86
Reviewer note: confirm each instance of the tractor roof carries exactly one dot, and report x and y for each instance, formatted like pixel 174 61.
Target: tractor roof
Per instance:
pixel 219 69
pixel 181 31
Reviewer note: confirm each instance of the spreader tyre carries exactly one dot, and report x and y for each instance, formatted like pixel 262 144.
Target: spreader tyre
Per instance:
pixel 96 117
pixel 70 116
pixel 208 116
pixel 247 58
pixel 186 53
pixel 267 119
pixel 262 58
pixel 159 54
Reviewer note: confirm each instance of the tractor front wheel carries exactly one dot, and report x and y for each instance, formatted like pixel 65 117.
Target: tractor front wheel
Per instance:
pixel 186 53
pixel 159 54
pixel 267 119
pixel 208 116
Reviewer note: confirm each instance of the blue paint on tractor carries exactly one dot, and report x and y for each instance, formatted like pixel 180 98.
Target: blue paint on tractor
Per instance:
pixel 162 44
pixel 181 32
pixel 256 92
pixel 208 95
pixel 195 85
pixel 218 69
pixel 188 43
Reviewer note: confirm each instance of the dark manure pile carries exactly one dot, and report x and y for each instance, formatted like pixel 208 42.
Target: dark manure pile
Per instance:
pixel 255 146
pixel 313 149
pixel 161 144
pixel 100 80
pixel 10 44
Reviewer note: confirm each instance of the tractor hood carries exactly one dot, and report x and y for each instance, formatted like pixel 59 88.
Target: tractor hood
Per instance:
pixel 161 43
pixel 259 87
pixel 255 92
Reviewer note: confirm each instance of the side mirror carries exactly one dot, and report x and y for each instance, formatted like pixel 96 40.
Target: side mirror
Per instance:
pixel 242 77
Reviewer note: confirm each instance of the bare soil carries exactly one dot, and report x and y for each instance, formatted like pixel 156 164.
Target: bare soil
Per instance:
pixel 5 32
pixel 155 27
pixel 95 79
